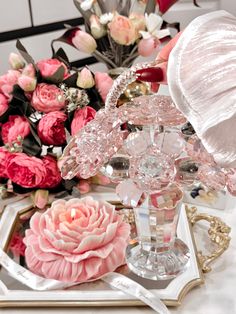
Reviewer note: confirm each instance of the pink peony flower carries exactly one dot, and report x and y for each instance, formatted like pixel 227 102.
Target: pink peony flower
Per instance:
pixel 103 83
pixel 48 67
pixel 53 176
pixel 47 98
pixel 81 118
pixel 7 81
pixel 76 241
pixel 51 129
pixel 3 162
pixel 17 126
pixel 17 245
pixel 3 104
pixel 26 171
pixel 122 30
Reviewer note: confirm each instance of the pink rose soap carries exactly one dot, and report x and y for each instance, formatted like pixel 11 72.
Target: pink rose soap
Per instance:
pixel 76 240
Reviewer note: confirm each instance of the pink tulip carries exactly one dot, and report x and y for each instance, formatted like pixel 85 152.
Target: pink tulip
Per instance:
pixel 27 83
pixel 84 42
pixel 97 29
pixel 40 198
pixel 85 79
pixel 29 70
pixel 15 61
pixel 146 47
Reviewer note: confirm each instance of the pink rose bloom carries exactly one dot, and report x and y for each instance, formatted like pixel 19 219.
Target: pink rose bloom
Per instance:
pixel 81 118
pixel 3 104
pixel 3 162
pixel 47 98
pixel 17 245
pixel 15 127
pixel 103 83
pixel 53 176
pixel 7 81
pixel 51 129
pixel 76 241
pixel 26 171
pixel 122 30
pixel 48 67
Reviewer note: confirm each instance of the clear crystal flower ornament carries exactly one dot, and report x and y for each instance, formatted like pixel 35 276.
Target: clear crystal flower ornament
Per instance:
pixel 163 138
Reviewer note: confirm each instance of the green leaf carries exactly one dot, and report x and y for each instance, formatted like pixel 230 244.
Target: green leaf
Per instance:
pixel 34 133
pixel 150 7
pixel 24 53
pixel 61 55
pixel 71 80
pixel 31 146
pixel 57 77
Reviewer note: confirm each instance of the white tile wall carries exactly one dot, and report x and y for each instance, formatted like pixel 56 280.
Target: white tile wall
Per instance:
pixel 49 11
pixel 14 14
pixel 39 48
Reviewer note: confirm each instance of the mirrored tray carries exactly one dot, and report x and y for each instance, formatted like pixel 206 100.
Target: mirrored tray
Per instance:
pixel 99 293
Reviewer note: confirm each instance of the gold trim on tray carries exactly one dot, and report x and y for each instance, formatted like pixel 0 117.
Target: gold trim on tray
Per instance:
pixel 218 234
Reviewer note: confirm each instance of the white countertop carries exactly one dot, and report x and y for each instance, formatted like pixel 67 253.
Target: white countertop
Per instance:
pixel 215 296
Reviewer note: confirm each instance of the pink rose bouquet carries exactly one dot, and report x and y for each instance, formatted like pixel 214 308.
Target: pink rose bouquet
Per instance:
pixel 41 105
pixel 84 240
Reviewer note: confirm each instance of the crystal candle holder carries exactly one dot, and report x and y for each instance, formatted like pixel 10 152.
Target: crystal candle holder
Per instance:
pixel 158 253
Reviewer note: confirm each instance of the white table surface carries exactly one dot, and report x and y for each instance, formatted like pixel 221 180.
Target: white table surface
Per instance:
pixel 216 296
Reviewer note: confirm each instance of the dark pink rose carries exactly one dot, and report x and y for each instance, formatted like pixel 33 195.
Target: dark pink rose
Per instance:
pixel 17 245
pixel 48 67
pixel 51 129
pixel 103 83
pixel 47 98
pixel 81 118
pixel 53 176
pixel 7 81
pixel 3 104
pixel 3 162
pixel 17 126
pixel 26 171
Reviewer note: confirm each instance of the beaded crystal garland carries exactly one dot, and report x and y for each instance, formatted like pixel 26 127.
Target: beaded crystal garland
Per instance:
pixel 163 149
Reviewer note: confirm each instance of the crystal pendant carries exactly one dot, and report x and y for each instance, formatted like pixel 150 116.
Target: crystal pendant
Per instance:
pixel 170 142
pixel 129 193
pixel 212 177
pixel 117 168
pixel 152 171
pixel 158 254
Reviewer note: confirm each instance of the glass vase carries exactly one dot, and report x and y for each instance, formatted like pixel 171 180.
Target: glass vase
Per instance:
pixel 157 253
